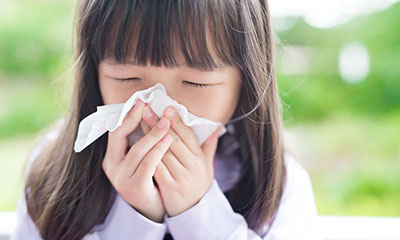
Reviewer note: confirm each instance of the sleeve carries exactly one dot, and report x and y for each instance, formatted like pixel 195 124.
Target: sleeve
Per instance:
pixel 25 228
pixel 122 221
pixel 297 216
pixel 213 217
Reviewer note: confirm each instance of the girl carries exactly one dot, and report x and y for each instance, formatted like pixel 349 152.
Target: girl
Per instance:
pixel 214 57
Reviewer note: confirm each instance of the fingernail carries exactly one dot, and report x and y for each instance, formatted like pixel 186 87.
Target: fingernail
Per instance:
pixel 170 112
pixel 162 123
pixel 137 104
pixel 147 113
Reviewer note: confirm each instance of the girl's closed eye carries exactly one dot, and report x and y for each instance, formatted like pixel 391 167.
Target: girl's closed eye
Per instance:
pixel 187 83
pixel 127 79
pixel 201 85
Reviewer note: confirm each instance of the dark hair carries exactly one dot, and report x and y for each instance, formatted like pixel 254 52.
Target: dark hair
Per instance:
pixel 67 193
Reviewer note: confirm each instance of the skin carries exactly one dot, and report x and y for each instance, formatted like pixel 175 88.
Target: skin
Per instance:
pixel 181 167
pixel 223 93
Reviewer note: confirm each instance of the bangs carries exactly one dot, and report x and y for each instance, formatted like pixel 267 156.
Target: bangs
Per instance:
pixel 156 33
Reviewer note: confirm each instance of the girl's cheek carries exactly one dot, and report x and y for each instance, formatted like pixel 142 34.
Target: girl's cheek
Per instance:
pixel 116 93
pixel 202 108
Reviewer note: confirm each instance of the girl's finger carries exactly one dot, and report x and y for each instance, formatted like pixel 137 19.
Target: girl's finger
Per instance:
pixel 145 127
pixel 210 145
pixel 137 152
pixel 117 140
pixel 185 132
pixel 148 165
pixel 163 175
pixel 174 166
pixel 178 147
pixel 109 167
pixel 180 129
pixel 149 116
pixel 117 143
pixel 131 121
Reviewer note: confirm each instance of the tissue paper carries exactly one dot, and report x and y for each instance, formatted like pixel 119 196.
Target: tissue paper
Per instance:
pixel 110 117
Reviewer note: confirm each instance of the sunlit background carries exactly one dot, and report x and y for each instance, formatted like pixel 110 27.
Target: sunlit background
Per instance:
pixel 338 66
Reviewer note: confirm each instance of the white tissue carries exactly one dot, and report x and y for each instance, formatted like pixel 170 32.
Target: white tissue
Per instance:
pixel 110 117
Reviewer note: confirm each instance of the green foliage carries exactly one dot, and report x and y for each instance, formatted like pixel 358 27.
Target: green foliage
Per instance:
pixel 35 47
pixel 28 107
pixel 360 193
pixel 321 90
pixel 353 164
pixel 36 38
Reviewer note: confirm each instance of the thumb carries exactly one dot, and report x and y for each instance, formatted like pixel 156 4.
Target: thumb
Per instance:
pixel 210 145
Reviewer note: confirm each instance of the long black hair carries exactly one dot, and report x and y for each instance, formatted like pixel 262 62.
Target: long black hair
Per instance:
pixel 68 193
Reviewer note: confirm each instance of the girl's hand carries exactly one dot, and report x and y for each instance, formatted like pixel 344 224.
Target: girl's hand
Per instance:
pixel 130 170
pixel 186 171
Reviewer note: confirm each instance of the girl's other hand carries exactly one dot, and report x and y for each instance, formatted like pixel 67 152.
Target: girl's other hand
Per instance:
pixel 186 170
pixel 131 170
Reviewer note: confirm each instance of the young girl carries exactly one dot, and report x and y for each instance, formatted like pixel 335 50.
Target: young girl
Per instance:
pixel 214 57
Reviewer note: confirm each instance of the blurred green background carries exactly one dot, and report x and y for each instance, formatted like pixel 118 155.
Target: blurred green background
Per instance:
pixel 339 86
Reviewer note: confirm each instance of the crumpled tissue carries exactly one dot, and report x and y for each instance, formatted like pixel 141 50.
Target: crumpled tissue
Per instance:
pixel 110 117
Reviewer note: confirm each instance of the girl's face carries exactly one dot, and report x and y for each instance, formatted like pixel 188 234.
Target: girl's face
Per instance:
pixel 215 99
